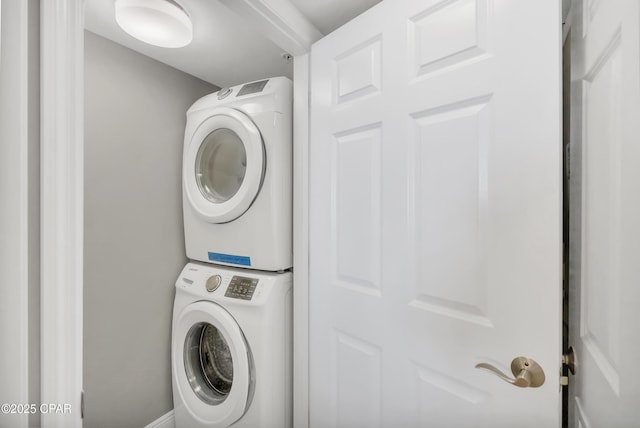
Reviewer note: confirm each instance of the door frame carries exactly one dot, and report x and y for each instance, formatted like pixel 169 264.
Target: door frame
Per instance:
pixel 301 137
pixel 61 207
pixel 62 199
pixel 16 228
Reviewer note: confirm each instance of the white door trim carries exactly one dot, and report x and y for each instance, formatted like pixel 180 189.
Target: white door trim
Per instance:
pixel 14 221
pixel 280 21
pixel 301 241
pixel 62 131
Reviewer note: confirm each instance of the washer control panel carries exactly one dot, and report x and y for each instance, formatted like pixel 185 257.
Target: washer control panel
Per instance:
pixel 241 287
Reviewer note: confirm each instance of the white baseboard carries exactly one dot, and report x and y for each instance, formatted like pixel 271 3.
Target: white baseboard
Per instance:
pixel 164 421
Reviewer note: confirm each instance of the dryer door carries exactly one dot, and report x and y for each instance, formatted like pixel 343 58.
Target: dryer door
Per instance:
pixel 224 165
pixel 212 364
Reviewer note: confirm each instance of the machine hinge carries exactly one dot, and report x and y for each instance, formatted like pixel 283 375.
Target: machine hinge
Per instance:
pixel 568 362
pixel 82 404
pixel 567 160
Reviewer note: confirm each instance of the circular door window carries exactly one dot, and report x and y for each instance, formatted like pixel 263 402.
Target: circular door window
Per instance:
pixel 208 363
pixel 224 166
pixel 221 163
pixel 213 368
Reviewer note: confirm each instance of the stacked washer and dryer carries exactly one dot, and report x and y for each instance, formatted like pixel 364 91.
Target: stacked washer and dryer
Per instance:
pixel 232 317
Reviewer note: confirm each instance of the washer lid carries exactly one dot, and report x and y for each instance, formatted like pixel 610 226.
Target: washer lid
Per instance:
pixel 224 165
pixel 212 364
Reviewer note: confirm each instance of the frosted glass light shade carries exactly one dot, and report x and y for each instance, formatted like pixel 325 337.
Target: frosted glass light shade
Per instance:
pixel 157 22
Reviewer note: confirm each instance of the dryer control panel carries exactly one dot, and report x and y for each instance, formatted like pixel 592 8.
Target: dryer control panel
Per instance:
pixel 241 287
pixel 252 88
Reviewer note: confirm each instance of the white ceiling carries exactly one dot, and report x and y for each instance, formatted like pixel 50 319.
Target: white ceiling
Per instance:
pixel 327 15
pixel 225 50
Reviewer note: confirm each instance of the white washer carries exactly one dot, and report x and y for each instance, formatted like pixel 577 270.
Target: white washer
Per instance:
pixel 237 176
pixel 231 348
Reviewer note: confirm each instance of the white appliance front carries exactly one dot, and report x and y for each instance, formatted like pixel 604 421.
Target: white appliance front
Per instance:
pixel 237 184
pixel 231 348
pixel 212 365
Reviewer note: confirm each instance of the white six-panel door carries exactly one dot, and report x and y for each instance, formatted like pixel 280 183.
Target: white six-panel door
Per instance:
pixel 605 203
pixel 435 215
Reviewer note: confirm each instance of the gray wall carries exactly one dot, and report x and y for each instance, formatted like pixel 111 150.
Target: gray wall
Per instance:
pixel 134 242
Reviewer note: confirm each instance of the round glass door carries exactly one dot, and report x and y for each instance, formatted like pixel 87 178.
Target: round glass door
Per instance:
pixel 212 364
pixel 208 363
pixel 220 167
pixel 224 166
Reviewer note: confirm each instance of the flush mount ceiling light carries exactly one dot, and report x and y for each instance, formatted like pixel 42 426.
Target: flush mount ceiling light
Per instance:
pixel 161 23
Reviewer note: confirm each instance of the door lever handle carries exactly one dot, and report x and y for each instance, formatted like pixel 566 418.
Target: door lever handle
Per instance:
pixel 527 373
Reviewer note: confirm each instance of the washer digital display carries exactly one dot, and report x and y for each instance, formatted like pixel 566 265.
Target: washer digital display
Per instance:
pixel 241 287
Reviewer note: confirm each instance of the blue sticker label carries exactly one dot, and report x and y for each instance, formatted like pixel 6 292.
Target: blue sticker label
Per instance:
pixel 230 258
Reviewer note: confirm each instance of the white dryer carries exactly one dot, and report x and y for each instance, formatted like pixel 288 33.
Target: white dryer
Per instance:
pixel 237 176
pixel 231 348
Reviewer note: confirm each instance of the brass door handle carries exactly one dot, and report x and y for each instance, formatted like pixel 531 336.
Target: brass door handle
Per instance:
pixel 527 373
